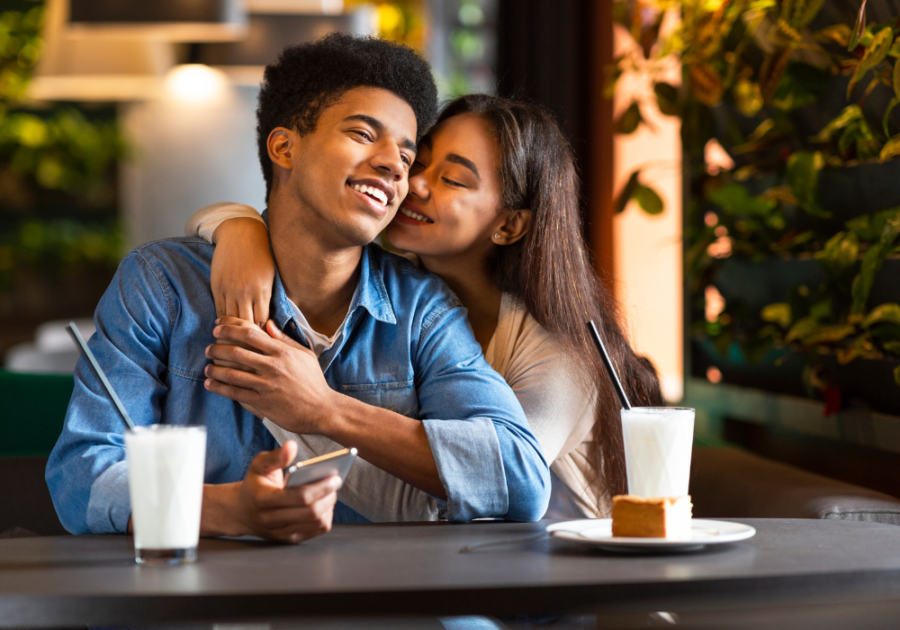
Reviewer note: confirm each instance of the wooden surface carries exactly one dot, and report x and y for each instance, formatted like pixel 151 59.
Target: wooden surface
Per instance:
pixel 416 569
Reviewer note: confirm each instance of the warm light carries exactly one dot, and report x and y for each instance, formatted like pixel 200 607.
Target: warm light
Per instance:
pixel 196 84
pixel 716 158
pixel 390 18
pixel 714 375
pixel 715 303
pixel 720 248
pixel 647 249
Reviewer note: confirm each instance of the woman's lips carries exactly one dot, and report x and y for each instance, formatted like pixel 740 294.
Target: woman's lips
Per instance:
pixel 402 219
pixel 410 215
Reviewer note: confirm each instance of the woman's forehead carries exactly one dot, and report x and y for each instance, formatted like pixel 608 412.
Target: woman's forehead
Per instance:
pixel 467 133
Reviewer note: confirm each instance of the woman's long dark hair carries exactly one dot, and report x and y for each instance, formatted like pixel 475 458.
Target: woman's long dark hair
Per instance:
pixel 550 270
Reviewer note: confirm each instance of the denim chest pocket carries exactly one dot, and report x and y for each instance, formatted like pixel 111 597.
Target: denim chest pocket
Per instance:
pixel 399 396
pixel 188 360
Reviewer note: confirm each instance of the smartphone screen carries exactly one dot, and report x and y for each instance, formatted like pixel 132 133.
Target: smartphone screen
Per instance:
pixel 318 468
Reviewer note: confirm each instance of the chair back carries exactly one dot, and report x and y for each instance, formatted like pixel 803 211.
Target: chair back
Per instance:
pixel 32 412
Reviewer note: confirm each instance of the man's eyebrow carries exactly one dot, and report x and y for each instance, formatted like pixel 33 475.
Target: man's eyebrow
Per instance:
pixel 469 164
pixel 378 126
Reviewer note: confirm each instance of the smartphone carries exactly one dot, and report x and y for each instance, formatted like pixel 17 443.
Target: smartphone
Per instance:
pixel 318 468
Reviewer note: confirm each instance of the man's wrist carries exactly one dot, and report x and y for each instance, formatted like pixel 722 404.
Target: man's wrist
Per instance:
pixel 337 419
pixel 221 510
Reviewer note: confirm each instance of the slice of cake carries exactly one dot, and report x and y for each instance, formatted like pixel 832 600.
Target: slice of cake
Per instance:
pixel 664 517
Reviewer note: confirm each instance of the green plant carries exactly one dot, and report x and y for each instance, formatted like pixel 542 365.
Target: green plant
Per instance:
pixel 58 245
pixel 57 163
pixel 792 89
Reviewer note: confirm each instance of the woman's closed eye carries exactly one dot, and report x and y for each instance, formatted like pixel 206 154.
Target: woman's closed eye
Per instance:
pixel 454 183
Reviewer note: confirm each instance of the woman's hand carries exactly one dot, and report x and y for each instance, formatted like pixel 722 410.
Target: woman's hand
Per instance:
pixel 242 270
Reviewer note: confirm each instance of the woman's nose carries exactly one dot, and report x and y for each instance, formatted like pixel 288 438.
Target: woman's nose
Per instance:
pixel 418 185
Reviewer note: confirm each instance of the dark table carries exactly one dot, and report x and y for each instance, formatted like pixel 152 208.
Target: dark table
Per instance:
pixel 416 569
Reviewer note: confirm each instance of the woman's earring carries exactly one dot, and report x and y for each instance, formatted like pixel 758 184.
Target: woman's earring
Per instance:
pixel 497 236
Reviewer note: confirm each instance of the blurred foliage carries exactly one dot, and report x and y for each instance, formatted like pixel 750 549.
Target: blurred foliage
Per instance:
pixel 408 22
pixel 470 69
pixel 59 149
pixel 400 21
pixel 20 45
pixel 794 91
pixel 57 164
pixel 57 246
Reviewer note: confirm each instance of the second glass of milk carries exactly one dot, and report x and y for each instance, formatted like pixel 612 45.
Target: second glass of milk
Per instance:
pixel 658 444
pixel 165 479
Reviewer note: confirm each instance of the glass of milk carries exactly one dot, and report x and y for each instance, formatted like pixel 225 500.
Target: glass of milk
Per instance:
pixel 165 479
pixel 658 444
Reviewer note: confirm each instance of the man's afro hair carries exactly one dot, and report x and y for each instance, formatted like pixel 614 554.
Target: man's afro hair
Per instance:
pixel 311 77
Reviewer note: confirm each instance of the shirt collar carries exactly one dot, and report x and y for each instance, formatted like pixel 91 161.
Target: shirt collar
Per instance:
pixel 371 293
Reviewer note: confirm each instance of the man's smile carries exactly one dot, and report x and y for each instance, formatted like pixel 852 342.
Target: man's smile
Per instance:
pixel 373 190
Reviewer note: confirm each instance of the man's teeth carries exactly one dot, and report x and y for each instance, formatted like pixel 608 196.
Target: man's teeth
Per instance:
pixel 415 215
pixel 377 193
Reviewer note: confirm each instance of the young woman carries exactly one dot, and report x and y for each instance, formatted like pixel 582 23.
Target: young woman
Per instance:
pixel 493 210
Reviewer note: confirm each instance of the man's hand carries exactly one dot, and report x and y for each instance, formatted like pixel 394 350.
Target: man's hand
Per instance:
pixel 277 377
pixel 286 385
pixel 264 507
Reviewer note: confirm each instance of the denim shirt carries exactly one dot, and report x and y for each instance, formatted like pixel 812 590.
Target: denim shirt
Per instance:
pixel 406 346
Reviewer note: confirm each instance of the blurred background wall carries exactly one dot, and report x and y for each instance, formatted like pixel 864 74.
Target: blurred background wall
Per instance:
pixel 215 141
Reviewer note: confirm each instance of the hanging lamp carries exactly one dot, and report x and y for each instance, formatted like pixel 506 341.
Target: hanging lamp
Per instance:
pixel 95 69
pixel 273 25
pixel 165 20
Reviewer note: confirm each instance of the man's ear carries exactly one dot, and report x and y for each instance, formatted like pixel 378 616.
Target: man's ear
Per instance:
pixel 281 144
pixel 515 225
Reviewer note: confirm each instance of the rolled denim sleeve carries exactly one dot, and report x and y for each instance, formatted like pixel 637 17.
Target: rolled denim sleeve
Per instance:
pixel 86 472
pixel 488 460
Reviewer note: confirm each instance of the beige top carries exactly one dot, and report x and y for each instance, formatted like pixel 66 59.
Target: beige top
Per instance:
pixel 560 413
pixel 532 363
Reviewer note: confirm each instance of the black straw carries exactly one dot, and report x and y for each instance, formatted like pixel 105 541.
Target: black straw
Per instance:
pixel 613 376
pixel 92 361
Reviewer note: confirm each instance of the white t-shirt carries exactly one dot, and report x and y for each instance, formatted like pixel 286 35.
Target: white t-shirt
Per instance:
pixel 540 373
pixel 318 342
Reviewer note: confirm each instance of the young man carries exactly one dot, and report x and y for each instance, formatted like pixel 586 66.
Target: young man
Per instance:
pixel 398 373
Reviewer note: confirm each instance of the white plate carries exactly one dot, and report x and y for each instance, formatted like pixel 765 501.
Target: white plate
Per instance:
pixel 598 533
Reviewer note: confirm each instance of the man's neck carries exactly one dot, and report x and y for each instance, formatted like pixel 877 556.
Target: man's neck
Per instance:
pixel 318 277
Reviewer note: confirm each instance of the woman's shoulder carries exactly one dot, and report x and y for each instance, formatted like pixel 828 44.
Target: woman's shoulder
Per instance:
pixel 519 336
pixel 528 356
pixel 544 375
